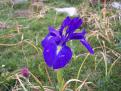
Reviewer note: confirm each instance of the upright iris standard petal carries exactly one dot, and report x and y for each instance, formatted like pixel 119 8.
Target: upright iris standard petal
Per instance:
pixel 63 57
pixel 64 24
pixel 87 45
pixel 74 24
pixel 49 54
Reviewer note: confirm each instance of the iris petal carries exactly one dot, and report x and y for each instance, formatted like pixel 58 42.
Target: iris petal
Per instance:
pixel 49 54
pixel 87 45
pixel 74 24
pixel 63 57
pixel 76 36
pixel 83 31
pixel 65 23
pixel 53 32
pixel 48 40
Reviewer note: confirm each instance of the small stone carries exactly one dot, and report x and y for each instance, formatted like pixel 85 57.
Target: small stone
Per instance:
pixel 23 13
pixel 70 11
pixel 116 5
pixel 3 66
pixel 3 25
pixel 18 1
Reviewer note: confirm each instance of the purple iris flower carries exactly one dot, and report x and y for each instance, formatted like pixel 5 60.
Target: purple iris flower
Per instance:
pixel 55 51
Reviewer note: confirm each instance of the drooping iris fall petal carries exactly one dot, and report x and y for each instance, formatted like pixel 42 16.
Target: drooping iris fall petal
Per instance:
pixel 48 40
pixel 49 54
pixel 87 45
pixel 63 57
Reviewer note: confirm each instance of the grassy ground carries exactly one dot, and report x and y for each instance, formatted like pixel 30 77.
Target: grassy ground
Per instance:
pixel 19 48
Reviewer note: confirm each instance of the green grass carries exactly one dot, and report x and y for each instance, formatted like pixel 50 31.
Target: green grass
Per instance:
pixel 29 52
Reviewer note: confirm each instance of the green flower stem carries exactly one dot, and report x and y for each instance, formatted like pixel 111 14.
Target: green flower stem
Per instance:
pixel 60 79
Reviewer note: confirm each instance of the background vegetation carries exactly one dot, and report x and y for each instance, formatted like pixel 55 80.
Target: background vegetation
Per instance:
pixel 20 47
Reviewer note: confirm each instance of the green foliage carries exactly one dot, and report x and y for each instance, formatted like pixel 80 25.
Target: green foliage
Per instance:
pixel 75 1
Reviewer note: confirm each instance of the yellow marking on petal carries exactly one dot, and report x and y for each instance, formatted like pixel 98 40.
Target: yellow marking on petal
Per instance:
pixel 58 49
